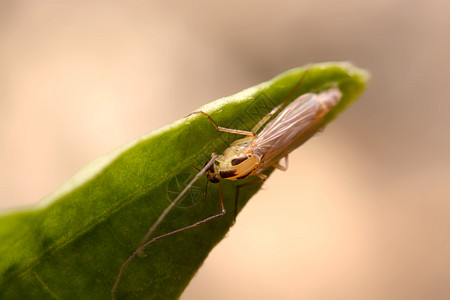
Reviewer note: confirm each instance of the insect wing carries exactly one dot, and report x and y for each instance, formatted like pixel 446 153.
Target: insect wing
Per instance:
pixel 291 128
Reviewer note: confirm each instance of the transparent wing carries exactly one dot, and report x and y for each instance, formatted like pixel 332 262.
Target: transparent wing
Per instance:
pixel 292 127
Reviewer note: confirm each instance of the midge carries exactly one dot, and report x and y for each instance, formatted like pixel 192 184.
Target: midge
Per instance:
pixel 255 153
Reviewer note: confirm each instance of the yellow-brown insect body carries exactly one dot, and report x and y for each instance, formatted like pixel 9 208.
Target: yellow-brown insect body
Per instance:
pixel 292 127
pixel 237 162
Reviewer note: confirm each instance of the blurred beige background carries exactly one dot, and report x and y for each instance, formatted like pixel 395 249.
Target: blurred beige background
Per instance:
pixel 363 211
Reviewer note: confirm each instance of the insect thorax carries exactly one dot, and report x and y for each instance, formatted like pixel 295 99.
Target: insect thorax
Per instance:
pixel 237 162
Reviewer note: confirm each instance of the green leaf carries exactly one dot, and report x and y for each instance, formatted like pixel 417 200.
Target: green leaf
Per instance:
pixel 73 244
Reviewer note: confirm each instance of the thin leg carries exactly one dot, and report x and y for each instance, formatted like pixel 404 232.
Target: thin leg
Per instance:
pixel 274 111
pixel 143 247
pixel 267 117
pixel 175 202
pixel 280 167
pixel 262 178
pixel 223 129
pixel 206 190
pixel 195 168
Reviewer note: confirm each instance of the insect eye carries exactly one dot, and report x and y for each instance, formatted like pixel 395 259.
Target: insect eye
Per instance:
pixel 213 180
pixel 210 169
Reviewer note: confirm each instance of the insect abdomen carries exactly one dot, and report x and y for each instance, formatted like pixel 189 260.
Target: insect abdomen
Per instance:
pixel 328 100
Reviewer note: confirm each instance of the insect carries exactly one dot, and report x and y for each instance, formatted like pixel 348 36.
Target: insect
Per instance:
pixel 255 153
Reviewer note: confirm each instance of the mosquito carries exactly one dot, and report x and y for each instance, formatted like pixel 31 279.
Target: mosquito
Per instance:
pixel 253 154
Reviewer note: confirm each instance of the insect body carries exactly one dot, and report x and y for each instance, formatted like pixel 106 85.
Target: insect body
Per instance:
pixel 291 128
pixel 255 153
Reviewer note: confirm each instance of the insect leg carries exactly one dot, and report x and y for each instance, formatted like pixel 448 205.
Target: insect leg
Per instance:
pixel 274 111
pixel 166 211
pixel 223 129
pixel 280 167
pixel 180 196
pixel 262 178
pixel 266 118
